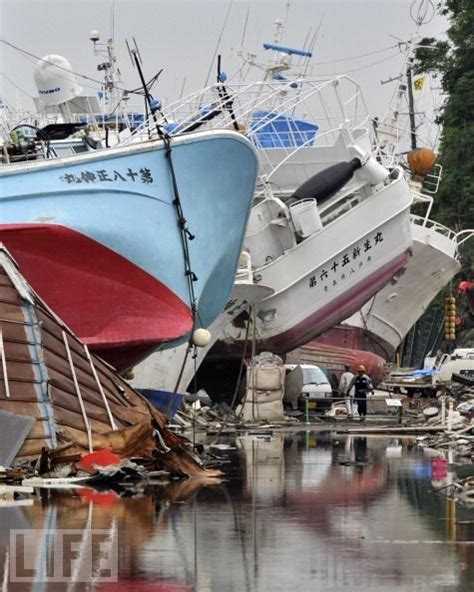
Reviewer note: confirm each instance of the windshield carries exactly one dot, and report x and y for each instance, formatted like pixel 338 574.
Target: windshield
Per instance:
pixel 314 375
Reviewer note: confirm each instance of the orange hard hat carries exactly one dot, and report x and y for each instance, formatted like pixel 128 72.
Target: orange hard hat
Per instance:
pixel 361 368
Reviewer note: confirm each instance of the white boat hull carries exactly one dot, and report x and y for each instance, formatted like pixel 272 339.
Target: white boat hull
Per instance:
pixel 385 320
pixel 331 274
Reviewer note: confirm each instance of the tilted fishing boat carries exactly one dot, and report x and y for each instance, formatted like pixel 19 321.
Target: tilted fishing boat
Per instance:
pixel 132 246
pixel 324 273
pixel 385 319
pixel 325 242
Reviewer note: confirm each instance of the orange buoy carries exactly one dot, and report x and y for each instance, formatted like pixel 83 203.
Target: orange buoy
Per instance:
pixel 421 161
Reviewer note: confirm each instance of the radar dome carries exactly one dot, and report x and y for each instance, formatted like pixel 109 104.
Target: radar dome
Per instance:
pixel 55 81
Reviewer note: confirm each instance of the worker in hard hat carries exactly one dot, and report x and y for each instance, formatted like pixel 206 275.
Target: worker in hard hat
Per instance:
pixel 362 385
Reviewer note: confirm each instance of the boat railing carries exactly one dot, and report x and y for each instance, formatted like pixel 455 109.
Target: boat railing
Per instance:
pixel 421 198
pixel 433 225
pixel 463 236
pixel 271 114
pixel 433 179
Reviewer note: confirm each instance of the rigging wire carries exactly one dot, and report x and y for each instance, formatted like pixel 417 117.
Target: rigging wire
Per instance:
pixel 386 59
pixel 229 8
pixel 100 83
pixel 362 55
pixel 16 85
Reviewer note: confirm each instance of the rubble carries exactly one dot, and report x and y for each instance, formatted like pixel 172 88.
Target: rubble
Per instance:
pixel 64 402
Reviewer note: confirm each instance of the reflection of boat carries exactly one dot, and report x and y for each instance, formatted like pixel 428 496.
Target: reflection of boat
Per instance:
pixel 103 240
pixel 117 527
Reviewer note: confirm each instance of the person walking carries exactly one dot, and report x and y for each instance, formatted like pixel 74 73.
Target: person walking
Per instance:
pixel 362 385
pixel 344 390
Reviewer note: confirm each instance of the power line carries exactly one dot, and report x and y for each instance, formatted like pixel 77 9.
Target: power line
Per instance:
pixel 362 55
pixel 32 55
pixel 363 67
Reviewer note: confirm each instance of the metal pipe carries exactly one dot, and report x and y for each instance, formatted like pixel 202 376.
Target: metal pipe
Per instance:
pixel 4 365
pixel 101 390
pixel 78 391
pixel 411 104
pixel 162 442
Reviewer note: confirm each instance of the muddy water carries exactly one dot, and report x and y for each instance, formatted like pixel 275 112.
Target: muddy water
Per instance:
pixel 300 512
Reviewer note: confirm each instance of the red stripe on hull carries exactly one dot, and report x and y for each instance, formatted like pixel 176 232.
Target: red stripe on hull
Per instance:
pixel 116 308
pixel 335 311
pixel 320 321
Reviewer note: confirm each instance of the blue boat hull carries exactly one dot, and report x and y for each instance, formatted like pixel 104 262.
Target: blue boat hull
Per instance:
pixel 88 229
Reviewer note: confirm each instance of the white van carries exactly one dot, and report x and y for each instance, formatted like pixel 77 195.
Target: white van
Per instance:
pixel 305 381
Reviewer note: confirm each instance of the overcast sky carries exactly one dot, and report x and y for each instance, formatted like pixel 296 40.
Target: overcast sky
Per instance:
pixel 181 37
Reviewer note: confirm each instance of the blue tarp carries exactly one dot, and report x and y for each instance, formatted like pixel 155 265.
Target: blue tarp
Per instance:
pixel 281 131
pixel 164 401
pixel 424 373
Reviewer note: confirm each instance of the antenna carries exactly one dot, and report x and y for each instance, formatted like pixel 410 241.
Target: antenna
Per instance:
pixel 137 50
pixel 151 103
pixel 391 79
pixel 420 16
pixel 244 32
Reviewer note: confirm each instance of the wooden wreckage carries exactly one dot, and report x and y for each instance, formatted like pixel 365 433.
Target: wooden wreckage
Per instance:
pixel 77 401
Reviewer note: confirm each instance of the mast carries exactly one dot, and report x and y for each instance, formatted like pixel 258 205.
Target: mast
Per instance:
pixel 411 104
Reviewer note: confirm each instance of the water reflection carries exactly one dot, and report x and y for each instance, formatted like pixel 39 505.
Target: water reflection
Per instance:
pixel 310 510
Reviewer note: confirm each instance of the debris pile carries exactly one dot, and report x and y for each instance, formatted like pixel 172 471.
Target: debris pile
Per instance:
pixel 59 404
pixel 453 444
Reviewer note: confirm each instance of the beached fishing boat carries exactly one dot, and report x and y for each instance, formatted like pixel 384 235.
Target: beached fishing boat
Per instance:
pixel 324 272
pixel 132 246
pixel 385 319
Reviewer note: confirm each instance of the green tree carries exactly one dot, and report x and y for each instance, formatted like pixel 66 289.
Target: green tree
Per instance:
pixel 454 61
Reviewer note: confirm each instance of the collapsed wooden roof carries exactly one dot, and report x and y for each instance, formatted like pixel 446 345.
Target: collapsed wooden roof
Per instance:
pixel 77 399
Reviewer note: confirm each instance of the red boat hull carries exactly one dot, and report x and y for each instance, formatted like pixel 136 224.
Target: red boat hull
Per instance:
pixel 348 336
pixel 332 360
pixel 117 309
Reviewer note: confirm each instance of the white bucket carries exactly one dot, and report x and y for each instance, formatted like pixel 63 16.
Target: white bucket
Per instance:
pixel 305 216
